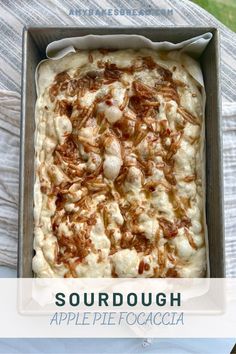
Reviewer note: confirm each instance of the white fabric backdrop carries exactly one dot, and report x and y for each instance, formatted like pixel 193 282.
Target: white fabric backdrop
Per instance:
pixel 13 16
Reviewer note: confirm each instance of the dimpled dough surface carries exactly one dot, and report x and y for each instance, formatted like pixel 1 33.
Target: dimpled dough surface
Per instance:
pixel 118 181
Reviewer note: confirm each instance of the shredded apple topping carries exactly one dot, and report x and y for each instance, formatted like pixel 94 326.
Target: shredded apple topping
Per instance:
pixel 120 193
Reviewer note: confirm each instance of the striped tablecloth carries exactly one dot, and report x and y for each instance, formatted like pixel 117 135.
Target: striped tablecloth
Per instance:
pixel 16 14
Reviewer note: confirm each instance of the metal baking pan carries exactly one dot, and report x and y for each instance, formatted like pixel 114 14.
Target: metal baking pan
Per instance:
pixel 35 40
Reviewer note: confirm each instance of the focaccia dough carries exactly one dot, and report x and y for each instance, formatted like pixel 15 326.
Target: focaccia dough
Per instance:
pixel 118 182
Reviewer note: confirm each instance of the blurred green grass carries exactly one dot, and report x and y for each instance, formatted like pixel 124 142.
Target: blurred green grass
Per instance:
pixel 223 10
